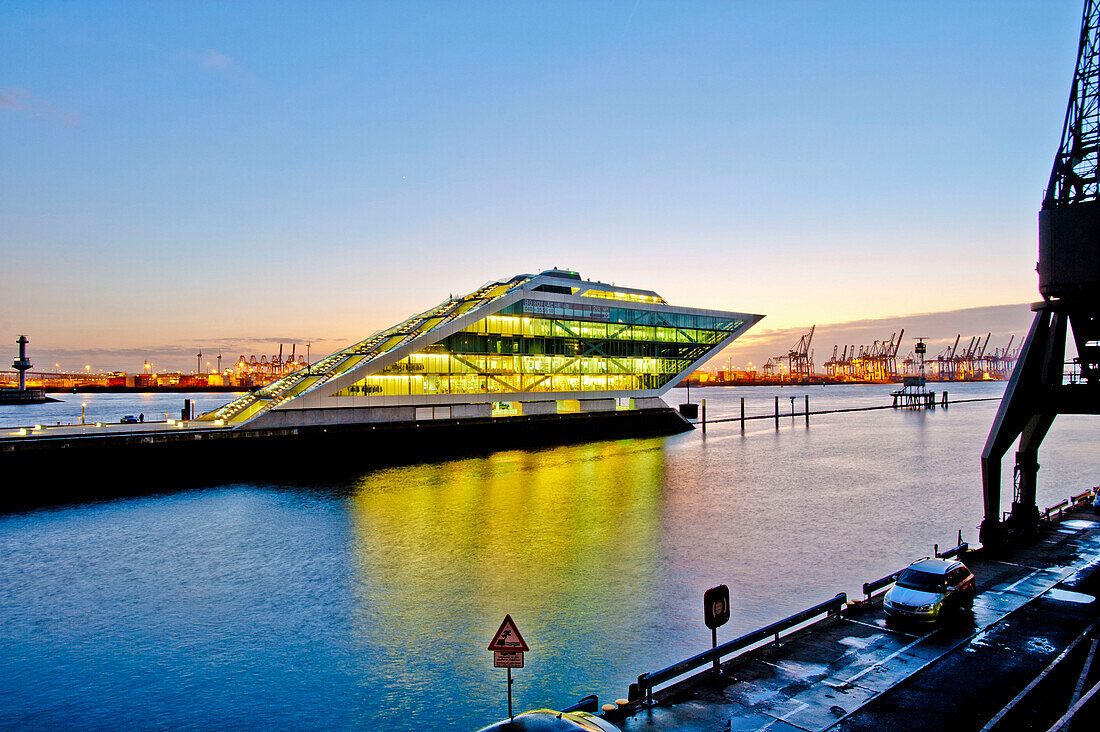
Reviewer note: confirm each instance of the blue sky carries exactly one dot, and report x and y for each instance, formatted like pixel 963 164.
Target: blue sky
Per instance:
pixel 173 174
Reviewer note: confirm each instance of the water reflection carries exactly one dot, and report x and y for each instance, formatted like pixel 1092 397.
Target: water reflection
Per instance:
pixel 562 539
pixel 369 603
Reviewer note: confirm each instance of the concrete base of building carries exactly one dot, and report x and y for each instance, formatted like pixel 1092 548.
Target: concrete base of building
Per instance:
pixel 70 468
pixel 532 408
pixel 343 416
pixel 307 417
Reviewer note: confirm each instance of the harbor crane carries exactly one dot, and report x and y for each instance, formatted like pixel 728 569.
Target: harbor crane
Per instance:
pixel 1069 282
pixel 800 358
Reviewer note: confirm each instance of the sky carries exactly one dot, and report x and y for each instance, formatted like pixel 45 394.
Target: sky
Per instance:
pixel 183 176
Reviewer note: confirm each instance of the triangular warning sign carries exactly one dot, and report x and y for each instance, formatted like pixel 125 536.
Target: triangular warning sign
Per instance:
pixel 507 637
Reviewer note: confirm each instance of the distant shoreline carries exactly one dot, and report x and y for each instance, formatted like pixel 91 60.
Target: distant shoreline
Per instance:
pixel 93 389
pixel 825 382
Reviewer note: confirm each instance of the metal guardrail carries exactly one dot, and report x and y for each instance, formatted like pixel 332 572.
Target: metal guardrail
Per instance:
pixel 956 551
pixel 869 588
pixel 1082 498
pixel 1056 509
pixel 1072 503
pixel 643 689
pixel 648 682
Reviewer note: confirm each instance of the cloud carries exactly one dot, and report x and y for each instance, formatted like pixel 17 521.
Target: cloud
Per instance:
pixel 213 60
pixel 182 355
pixel 22 101
pixel 9 99
pixel 939 329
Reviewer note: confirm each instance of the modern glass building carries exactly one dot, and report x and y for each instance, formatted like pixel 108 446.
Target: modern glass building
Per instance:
pixel 533 344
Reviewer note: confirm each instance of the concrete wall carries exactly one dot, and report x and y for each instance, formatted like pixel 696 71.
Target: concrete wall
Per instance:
pixel 597 405
pixel 371 415
pixel 467 411
pixel 320 417
pixel 368 415
pixel 544 407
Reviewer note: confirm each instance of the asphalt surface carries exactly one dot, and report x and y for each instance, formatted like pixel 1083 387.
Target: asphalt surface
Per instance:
pixel 857 672
pixel 966 689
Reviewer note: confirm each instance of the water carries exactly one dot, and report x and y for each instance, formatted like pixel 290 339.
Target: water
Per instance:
pixel 108 407
pixel 370 604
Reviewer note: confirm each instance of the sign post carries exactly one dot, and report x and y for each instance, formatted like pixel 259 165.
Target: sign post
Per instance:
pixel 508 647
pixel 716 613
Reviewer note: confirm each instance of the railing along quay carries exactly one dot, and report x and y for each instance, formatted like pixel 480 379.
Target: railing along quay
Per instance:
pixel 643 689
pixel 806 412
pixel 1073 503
pixel 870 588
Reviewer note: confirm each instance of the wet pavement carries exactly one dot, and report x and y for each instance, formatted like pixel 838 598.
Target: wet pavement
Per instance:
pixel 857 673
pixel 93 429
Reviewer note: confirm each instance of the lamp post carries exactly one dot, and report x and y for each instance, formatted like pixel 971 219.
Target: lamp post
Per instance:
pixel 82 413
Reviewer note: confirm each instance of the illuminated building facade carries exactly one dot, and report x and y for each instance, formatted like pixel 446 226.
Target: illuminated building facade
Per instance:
pixel 533 344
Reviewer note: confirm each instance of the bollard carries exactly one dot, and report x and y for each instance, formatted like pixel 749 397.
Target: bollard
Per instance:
pixel 742 414
pixel 944 404
pixel 704 401
pixel 807 410
pixel 777 413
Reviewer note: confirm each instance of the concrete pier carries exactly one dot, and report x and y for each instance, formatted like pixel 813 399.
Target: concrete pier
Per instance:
pixel 855 672
pixel 79 462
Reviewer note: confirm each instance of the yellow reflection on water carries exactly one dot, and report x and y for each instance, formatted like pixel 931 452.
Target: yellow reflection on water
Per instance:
pixel 554 537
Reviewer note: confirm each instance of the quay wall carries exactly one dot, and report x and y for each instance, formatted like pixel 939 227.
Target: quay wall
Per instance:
pixel 49 470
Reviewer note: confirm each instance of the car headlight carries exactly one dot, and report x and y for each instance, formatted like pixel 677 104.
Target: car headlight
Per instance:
pixel 925 608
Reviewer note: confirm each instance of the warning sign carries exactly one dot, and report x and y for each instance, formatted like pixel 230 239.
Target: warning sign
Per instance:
pixel 508 659
pixel 507 637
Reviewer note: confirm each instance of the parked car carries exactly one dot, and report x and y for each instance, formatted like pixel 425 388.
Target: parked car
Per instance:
pixel 547 720
pixel 129 419
pixel 929 587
